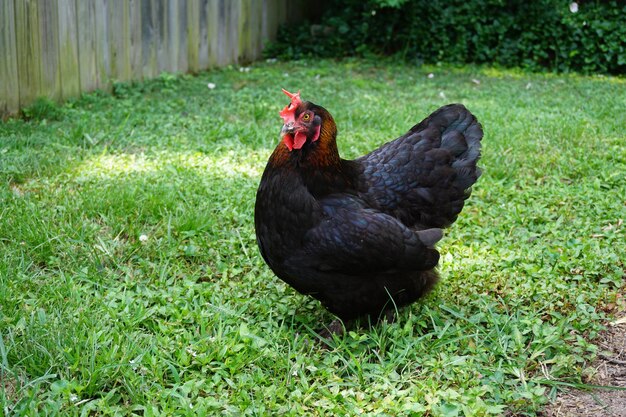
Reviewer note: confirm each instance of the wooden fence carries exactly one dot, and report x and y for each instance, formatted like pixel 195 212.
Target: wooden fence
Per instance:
pixel 61 48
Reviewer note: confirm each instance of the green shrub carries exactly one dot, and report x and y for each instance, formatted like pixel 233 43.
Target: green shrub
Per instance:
pixel 539 34
pixel 42 109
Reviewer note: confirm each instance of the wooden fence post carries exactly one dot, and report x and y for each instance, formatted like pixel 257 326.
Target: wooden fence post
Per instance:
pixel 9 84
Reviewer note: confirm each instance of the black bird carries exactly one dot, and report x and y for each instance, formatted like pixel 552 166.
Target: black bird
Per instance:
pixel 359 235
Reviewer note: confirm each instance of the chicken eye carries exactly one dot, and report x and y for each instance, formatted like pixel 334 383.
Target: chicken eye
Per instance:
pixel 306 117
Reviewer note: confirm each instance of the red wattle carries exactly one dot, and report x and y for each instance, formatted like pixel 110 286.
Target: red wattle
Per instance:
pixel 299 140
pixel 288 141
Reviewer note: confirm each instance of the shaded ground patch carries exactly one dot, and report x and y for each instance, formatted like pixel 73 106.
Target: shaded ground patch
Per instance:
pixel 8 385
pixel 610 370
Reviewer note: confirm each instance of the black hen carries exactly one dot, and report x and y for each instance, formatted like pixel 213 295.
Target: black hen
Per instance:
pixel 359 235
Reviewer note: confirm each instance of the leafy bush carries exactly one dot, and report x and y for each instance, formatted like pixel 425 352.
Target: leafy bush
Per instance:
pixel 588 36
pixel 42 109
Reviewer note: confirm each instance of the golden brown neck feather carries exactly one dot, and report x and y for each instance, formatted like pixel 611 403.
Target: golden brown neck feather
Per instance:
pixel 326 152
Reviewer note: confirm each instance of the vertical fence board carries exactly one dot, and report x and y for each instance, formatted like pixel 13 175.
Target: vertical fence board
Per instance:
pixel 273 17
pixel 218 23
pixel 50 76
pixel 9 84
pixel 86 34
pixel 101 29
pixel 27 47
pixel 149 39
pixel 68 49
pixel 264 22
pixel 212 15
pixel 193 35
pixel 124 59
pixel 203 34
pixel 162 45
pixel 223 35
pixel 173 46
pixel 256 16
pixel 243 30
pixel 271 21
pixel 119 40
pixel 114 33
pixel 136 44
pixel 283 5
pixel 181 44
pixel 234 31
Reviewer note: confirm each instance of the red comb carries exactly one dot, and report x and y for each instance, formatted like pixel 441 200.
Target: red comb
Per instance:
pixel 292 95
pixel 289 112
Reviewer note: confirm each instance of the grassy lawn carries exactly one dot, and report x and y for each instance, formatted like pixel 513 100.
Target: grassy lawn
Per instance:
pixel 130 281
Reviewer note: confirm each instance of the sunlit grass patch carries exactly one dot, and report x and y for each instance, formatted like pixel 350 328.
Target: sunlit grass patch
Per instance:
pixel 227 164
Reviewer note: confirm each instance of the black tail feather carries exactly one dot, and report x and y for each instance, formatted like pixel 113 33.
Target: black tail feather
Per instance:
pixel 424 176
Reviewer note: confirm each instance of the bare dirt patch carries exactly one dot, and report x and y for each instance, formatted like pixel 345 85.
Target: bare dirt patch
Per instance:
pixel 610 367
pixel 9 385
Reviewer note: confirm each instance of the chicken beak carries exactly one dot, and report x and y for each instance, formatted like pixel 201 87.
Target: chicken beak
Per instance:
pixel 288 128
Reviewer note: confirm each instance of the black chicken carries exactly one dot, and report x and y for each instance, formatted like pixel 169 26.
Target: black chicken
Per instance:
pixel 359 235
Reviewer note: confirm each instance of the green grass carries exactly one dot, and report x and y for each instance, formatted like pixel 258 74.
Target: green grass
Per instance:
pixel 130 281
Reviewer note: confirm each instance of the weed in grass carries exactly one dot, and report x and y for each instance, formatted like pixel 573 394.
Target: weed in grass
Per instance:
pixel 130 282
pixel 42 109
